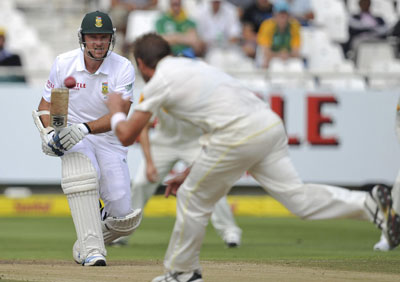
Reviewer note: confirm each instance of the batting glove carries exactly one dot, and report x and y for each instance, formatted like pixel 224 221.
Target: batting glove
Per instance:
pixel 70 136
pixel 48 146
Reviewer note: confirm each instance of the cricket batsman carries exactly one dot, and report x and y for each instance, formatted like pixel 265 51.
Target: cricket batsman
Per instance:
pixel 94 163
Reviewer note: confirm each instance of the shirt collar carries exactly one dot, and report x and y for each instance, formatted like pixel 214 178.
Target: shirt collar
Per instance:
pixel 104 67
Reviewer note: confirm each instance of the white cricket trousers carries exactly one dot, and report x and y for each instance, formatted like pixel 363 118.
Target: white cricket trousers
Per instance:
pixel 164 158
pixel 261 149
pixel 110 162
pixel 396 194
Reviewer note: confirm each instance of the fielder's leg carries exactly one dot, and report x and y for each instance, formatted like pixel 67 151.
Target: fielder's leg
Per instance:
pixel 224 223
pixel 279 178
pixel 79 183
pixel 396 194
pixel 383 243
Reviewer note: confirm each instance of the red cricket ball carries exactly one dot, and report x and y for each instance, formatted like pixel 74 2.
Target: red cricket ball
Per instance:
pixel 70 82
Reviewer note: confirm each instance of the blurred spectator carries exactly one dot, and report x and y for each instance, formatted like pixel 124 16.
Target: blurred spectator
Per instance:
pixel 218 24
pixel 241 5
pixel 364 27
pixel 119 13
pixel 8 59
pixel 180 31
pixel 252 18
pixel 301 10
pixel 279 37
pixel 395 32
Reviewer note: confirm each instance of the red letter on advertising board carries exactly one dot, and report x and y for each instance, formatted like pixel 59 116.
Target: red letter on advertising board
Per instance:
pixel 316 120
pixel 278 106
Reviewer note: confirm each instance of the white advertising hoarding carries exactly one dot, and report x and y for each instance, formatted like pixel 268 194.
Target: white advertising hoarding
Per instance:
pixel 340 137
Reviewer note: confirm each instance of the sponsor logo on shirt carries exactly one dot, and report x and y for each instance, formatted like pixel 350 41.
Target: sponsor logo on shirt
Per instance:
pixel 79 86
pixel 99 22
pixel 104 88
pixel 141 98
pixel 128 87
pixel 50 84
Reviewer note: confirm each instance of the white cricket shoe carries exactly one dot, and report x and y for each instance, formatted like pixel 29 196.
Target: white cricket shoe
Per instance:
pixel 192 276
pixel 76 254
pixel 382 245
pixel 93 259
pixel 232 239
pixel 391 221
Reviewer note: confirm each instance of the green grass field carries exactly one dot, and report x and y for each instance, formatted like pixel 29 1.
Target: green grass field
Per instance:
pixel 329 244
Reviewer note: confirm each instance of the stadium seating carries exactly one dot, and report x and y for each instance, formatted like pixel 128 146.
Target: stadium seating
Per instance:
pixel 141 22
pixel 382 8
pixel 324 65
pixel 333 17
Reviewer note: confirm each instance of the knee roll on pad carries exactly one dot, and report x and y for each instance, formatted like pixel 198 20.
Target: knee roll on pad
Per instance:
pixel 78 173
pixel 115 227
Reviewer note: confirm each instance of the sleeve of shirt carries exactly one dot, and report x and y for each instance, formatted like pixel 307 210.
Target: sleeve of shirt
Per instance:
pixel 52 82
pixel 295 33
pixel 265 34
pixel 126 79
pixel 154 94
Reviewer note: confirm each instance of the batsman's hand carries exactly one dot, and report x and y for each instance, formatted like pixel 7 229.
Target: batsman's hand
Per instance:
pixel 48 146
pixel 70 136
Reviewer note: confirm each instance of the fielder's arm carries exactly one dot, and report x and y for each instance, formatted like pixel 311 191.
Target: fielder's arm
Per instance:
pixel 151 171
pixel 127 130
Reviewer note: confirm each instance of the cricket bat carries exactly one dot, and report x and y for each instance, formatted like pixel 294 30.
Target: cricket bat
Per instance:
pixel 59 108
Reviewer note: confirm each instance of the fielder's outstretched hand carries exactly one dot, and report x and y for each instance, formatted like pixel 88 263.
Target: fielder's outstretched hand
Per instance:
pixel 174 183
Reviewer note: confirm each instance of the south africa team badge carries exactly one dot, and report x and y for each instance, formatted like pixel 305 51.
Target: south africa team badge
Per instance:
pixel 99 22
pixel 104 88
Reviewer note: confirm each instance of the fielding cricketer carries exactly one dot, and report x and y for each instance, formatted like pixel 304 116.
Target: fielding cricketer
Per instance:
pixel 171 141
pixel 241 133
pixel 94 163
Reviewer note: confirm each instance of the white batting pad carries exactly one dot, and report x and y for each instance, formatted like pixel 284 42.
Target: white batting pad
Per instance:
pixel 79 183
pixel 115 227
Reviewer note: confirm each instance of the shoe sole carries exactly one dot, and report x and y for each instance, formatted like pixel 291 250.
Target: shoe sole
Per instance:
pixel 95 262
pixel 392 219
pixel 99 262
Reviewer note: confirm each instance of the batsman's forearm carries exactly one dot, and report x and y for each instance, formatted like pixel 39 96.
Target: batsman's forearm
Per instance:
pixel 102 124
pixel 44 106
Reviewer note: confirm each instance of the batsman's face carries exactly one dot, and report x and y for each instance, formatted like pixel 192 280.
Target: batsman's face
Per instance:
pixel 97 44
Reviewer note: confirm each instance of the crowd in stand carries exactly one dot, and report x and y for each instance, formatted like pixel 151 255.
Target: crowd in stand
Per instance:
pixel 261 30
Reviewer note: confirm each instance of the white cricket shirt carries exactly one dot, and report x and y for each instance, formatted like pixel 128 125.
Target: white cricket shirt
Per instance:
pixel 170 131
pixel 196 92
pixel 87 98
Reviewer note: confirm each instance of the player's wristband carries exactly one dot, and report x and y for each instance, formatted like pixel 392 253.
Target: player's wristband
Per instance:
pixel 116 118
pixel 87 127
